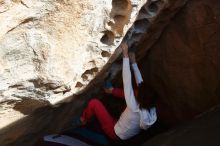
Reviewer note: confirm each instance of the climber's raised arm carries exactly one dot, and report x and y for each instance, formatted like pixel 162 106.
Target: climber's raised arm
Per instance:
pixel 137 73
pixel 126 75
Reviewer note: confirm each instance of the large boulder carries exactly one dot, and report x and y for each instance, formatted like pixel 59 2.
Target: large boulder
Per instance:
pixel 51 50
pixel 183 65
pixel 204 130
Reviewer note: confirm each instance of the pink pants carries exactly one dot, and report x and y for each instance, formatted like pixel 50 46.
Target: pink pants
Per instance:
pixel 107 122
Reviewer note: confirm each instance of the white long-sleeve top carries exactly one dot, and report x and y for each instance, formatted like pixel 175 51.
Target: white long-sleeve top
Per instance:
pixel 133 119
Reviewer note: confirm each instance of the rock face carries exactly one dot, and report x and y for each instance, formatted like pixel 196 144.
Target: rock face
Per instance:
pixel 183 65
pixel 202 131
pixel 50 50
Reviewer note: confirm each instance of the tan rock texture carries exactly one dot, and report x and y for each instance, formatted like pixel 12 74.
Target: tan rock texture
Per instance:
pixel 183 65
pixel 52 49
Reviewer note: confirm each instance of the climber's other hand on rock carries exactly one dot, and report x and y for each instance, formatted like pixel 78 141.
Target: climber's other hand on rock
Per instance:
pixel 132 57
pixel 124 48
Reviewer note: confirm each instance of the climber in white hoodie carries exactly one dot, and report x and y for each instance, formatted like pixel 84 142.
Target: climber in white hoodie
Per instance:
pixel 140 112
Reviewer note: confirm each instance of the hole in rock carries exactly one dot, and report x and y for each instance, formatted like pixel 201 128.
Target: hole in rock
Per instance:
pixel 119 18
pixel 28 20
pixel 105 54
pixel 108 38
pixel 90 72
pixel 79 85
pixel 85 77
pixel 110 23
pixel 141 26
pixel 120 21
pixel 145 13
pixel 153 7
pixel 120 4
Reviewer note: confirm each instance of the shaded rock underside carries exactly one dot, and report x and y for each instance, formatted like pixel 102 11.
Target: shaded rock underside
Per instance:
pixel 183 66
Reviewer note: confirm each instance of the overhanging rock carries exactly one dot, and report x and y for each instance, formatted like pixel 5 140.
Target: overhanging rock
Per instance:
pixel 50 50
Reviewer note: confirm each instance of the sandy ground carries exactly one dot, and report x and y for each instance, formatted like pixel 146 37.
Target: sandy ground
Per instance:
pixel 8 115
